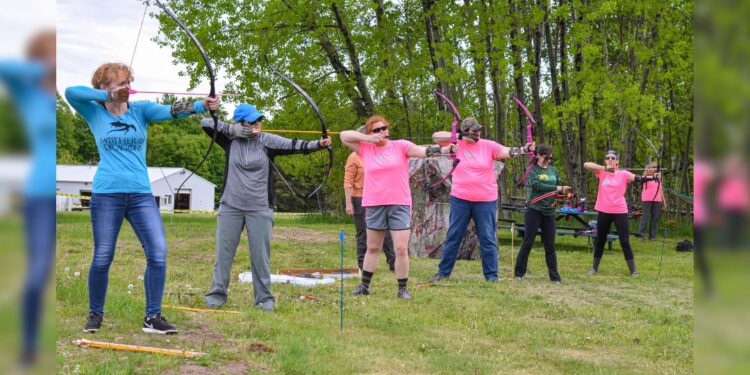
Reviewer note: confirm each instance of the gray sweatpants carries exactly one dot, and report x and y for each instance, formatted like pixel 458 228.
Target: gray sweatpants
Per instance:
pixel 650 219
pixel 228 230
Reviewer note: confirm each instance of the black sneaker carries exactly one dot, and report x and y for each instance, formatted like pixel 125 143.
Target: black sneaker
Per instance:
pixel 437 277
pixel 94 323
pixel 361 290
pixel 158 324
pixel 403 294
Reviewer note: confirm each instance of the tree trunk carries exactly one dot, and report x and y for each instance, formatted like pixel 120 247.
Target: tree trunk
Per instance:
pixel 390 91
pixel 535 56
pixel 479 65
pixel 359 79
pixel 433 39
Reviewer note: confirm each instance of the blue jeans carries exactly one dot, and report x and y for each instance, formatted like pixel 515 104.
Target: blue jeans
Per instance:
pixel 39 226
pixel 141 211
pixel 484 215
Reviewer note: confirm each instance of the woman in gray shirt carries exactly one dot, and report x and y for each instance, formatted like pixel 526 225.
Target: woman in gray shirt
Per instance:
pixel 247 199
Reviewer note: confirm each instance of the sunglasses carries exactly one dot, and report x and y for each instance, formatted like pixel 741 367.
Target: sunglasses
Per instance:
pixel 610 158
pixel 250 123
pixel 547 158
pixel 380 129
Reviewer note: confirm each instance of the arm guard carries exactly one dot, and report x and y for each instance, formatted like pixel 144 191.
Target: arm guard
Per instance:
pixel 432 150
pixel 643 179
pixel 179 108
pixel 515 152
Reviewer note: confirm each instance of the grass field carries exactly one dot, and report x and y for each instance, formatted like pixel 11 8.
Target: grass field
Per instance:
pixel 606 324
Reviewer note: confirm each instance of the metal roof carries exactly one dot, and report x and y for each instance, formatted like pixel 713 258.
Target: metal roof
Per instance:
pixel 85 173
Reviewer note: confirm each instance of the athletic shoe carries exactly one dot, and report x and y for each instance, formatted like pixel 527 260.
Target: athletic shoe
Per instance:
pixel 592 272
pixel 94 323
pixel 634 274
pixel 518 278
pixel 403 294
pixel 492 280
pixel 158 324
pixel 361 290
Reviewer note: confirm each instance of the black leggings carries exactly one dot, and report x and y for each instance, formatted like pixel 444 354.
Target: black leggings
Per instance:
pixel 533 220
pixel 603 224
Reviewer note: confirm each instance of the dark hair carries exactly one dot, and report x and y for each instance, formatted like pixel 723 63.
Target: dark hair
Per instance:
pixel 543 149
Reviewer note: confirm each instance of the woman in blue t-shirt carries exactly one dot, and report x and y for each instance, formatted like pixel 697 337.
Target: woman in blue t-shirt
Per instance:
pixel 121 185
pixel 30 82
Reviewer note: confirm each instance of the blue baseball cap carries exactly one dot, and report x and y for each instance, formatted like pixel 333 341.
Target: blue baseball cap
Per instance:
pixel 248 113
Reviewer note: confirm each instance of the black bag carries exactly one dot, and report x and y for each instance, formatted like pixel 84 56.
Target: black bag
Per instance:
pixel 685 246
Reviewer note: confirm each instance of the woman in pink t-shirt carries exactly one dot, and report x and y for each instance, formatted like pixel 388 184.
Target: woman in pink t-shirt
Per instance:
pixel 611 206
pixel 474 197
pixel 386 196
pixel 733 199
pixel 653 202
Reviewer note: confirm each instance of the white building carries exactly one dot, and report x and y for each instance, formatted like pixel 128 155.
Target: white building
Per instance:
pixel 14 171
pixel 196 194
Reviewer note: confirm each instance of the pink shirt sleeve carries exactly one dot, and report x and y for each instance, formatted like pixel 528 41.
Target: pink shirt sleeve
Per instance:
pixel 611 195
pixel 386 173
pixel 474 179
pixel 651 188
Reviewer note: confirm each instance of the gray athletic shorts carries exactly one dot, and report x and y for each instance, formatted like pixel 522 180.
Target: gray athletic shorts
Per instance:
pixel 393 217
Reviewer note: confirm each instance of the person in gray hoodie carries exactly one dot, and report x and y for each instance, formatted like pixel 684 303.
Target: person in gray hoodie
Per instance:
pixel 247 199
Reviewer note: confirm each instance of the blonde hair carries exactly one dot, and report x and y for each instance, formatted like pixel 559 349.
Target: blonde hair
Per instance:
pixel 375 119
pixel 106 72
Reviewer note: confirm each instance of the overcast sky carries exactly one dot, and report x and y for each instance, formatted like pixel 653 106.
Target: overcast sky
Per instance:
pixel 92 32
pixel 19 21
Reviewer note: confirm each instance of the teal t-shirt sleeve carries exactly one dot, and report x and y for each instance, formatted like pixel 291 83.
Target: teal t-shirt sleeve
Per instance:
pixel 84 99
pixel 16 72
pixel 154 112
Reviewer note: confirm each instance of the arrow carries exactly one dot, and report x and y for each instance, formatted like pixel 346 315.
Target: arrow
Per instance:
pixel 133 91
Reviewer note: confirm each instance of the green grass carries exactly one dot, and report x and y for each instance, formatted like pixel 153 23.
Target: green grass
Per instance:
pixel 606 324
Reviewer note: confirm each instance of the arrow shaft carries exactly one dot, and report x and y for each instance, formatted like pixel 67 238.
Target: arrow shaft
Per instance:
pixel 132 91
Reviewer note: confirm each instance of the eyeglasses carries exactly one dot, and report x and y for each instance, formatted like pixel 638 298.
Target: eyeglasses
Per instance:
pixel 611 158
pixel 380 129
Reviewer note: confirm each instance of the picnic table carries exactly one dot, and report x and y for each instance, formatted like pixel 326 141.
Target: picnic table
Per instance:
pixel 561 230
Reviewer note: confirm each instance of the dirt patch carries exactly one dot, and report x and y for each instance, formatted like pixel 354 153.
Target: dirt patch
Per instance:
pixel 238 367
pixel 202 336
pixel 259 347
pixel 299 235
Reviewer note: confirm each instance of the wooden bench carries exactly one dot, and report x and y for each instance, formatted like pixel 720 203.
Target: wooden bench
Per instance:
pixel 564 232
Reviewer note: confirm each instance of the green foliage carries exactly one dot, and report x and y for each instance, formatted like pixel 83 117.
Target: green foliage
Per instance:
pixel 12 137
pixel 619 64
